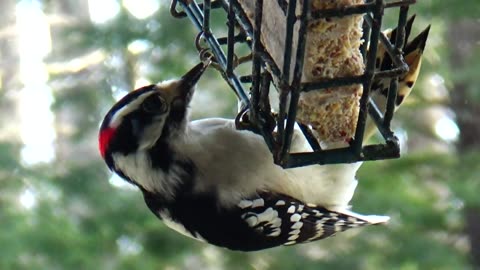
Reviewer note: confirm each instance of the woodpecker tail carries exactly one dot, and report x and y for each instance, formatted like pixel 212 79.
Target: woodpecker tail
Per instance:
pixel 371 219
pixel 412 53
pixel 283 220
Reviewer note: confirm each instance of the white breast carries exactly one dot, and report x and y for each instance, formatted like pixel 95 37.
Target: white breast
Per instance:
pixel 240 163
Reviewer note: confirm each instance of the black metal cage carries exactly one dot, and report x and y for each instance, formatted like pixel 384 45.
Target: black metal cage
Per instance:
pixel 259 81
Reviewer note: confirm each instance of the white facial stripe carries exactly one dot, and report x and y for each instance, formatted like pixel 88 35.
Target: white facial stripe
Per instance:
pixel 152 132
pixel 138 168
pixel 166 88
pixel 117 118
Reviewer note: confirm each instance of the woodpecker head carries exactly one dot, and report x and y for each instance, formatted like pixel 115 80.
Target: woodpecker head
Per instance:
pixel 148 115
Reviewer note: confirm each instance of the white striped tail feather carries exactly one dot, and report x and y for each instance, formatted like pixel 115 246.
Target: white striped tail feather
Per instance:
pixel 412 53
pixel 293 222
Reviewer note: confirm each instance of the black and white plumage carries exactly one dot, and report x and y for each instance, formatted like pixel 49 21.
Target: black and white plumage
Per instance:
pixel 212 182
pixel 412 54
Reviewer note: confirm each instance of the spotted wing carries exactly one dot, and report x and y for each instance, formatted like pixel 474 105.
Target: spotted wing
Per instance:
pixel 288 221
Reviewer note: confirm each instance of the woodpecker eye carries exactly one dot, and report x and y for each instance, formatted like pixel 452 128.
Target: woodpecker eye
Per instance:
pixel 154 104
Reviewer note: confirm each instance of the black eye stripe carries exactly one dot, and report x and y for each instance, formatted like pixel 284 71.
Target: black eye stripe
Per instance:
pixel 154 104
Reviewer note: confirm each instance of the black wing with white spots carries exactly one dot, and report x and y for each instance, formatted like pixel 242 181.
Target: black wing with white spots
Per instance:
pixel 264 221
pixel 288 221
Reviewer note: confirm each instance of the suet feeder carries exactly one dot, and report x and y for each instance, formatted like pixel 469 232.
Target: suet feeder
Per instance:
pixel 245 26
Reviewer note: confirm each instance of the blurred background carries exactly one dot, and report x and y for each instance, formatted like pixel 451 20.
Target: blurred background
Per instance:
pixel 63 63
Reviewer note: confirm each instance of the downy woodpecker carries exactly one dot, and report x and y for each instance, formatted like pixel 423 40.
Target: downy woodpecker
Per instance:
pixel 217 184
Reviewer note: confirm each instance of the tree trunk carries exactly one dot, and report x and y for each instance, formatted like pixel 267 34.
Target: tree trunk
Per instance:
pixel 463 36
pixel 472 217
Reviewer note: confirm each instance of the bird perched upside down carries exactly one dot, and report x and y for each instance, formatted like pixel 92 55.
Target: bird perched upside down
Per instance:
pixel 214 183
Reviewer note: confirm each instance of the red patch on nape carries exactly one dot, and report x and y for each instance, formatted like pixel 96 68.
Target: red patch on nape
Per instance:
pixel 104 139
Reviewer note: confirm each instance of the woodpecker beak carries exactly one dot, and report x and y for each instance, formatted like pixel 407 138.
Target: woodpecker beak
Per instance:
pixel 180 91
pixel 190 79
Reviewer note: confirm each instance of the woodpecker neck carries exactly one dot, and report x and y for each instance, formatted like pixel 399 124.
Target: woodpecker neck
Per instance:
pixel 158 170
